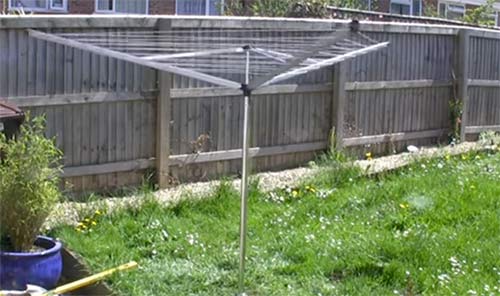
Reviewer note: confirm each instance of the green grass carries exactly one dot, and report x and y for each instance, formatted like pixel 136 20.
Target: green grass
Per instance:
pixel 431 228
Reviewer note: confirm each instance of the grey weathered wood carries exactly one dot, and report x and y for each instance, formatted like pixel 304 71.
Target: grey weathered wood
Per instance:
pixel 80 98
pixel 339 101
pixel 185 159
pixel 112 167
pixel 394 137
pixel 488 34
pixel 131 58
pixel 163 129
pixel 480 129
pixel 484 83
pixel 463 77
pixel 103 111
pixel 378 85
pixel 208 92
pixel 77 21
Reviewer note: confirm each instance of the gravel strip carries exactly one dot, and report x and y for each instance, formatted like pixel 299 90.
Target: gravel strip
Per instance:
pixel 70 212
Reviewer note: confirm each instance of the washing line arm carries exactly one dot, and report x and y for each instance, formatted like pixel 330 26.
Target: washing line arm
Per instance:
pixel 133 59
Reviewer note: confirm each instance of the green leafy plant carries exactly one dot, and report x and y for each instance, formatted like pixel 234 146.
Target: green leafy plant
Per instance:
pixel 354 4
pixel 430 10
pixel 271 8
pixel 334 154
pixel 456 110
pixel 489 138
pixel 482 15
pixel 309 8
pixel 278 8
pixel 239 7
pixel 29 183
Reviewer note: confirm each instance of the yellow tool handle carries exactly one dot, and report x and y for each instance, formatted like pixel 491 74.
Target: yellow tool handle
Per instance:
pixel 90 279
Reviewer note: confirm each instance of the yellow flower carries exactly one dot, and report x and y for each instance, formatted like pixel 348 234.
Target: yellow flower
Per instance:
pixel 94 223
pixel 97 212
pixel 368 156
pixel 294 193
pixel 403 206
pixel 464 157
pixel 310 188
pixel 80 224
pixel 86 220
pixel 447 157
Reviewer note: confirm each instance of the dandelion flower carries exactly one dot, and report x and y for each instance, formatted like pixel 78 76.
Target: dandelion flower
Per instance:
pixel 368 156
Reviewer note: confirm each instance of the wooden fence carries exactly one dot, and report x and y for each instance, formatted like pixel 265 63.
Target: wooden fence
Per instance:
pixel 115 123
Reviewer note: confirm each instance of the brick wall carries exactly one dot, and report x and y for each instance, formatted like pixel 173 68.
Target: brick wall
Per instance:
pixel 161 6
pixel 81 6
pixel 88 6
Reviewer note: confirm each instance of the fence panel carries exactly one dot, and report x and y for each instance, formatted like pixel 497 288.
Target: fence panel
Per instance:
pixel 400 95
pixel 102 112
pixel 483 108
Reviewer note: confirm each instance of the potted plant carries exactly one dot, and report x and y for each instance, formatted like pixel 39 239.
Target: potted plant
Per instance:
pixel 29 190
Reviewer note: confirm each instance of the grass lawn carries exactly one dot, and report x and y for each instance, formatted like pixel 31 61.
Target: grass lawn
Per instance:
pixel 432 228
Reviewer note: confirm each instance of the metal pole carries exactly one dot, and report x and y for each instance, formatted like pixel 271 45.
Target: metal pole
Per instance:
pixel 244 180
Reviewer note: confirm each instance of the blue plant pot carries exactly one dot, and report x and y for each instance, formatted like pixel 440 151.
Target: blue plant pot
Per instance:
pixel 38 268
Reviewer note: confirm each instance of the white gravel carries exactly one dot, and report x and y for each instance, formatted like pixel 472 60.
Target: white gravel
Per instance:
pixel 70 212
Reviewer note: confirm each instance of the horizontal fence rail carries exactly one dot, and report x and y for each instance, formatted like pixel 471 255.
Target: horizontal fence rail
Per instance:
pixel 118 122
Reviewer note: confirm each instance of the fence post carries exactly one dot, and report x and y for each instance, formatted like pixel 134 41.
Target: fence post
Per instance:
pixel 163 115
pixel 463 78
pixel 339 97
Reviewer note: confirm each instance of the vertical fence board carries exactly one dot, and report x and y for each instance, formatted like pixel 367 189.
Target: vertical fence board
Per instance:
pixel 107 132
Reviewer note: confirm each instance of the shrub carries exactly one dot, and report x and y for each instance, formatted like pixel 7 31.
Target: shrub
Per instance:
pixel 482 15
pixel 29 183
pixel 278 8
pixel 309 8
pixel 271 8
